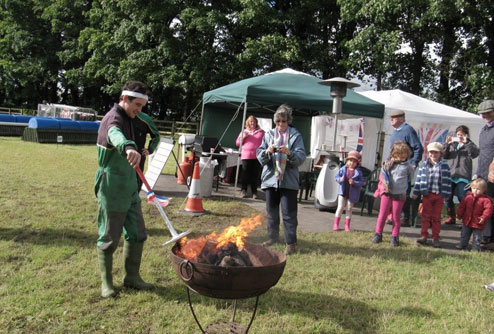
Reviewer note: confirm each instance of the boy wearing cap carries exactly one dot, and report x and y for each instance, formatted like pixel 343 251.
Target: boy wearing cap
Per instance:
pixel 486 156
pixel 351 180
pixel 433 182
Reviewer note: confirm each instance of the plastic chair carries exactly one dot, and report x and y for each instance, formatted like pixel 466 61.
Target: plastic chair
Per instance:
pixel 307 182
pixel 306 176
pixel 369 189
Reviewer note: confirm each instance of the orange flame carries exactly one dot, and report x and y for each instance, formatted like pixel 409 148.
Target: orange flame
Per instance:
pixel 238 234
pixel 191 249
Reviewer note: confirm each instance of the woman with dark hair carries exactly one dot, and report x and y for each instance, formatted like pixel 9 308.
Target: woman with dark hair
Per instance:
pixel 459 151
pixel 250 138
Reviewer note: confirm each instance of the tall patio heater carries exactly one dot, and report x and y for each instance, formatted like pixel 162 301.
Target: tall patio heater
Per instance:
pixel 338 92
pixel 326 198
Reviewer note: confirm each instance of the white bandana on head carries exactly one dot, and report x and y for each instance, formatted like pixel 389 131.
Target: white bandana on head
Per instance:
pixel 134 94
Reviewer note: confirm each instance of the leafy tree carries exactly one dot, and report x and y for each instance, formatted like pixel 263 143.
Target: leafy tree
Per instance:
pixel 82 51
pixel 391 42
pixel 473 66
pixel 28 62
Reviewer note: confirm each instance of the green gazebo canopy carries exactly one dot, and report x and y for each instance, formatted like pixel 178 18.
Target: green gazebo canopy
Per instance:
pixel 263 94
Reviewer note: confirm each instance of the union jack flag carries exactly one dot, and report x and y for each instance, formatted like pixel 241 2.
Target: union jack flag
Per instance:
pixel 360 140
pixel 429 133
pixel 163 201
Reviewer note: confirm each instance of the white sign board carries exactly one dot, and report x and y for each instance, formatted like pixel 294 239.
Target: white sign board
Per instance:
pixel 59 139
pixel 155 166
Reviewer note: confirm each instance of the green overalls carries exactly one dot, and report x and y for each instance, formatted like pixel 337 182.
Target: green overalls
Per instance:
pixel 115 185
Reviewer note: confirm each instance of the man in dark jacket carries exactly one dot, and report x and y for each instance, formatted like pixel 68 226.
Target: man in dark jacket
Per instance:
pixel 486 146
pixel 405 133
pixel 119 205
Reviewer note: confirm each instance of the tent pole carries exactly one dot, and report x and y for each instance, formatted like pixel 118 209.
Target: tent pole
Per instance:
pixel 240 150
pixel 335 131
pixel 200 121
pixel 337 101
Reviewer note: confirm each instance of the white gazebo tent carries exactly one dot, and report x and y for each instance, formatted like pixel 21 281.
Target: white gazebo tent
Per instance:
pixel 433 121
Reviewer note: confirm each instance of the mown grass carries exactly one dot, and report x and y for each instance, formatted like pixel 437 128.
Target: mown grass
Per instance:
pixel 336 283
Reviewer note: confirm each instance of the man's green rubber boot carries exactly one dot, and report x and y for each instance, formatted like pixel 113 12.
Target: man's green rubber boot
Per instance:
pixel 132 254
pixel 105 259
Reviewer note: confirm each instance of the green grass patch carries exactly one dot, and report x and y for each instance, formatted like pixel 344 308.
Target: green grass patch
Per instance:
pixel 336 283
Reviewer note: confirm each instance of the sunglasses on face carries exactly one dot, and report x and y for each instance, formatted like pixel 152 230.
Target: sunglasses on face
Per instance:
pixel 280 121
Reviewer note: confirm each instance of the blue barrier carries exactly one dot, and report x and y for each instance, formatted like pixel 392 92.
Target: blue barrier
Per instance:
pixel 22 118
pixel 7 118
pixel 89 125
pixel 44 123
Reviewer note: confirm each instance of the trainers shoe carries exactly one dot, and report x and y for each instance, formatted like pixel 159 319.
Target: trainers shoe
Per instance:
pixel 378 237
pixel 244 194
pixel 489 287
pixel 289 249
pixel 269 242
pixel 395 242
pixel 460 247
pixel 422 241
pixel 435 243
pixel 255 196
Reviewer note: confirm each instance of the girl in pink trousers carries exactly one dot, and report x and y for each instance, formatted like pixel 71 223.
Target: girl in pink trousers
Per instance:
pixel 395 175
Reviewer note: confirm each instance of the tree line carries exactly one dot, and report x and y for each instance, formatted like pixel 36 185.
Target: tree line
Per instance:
pixel 80 52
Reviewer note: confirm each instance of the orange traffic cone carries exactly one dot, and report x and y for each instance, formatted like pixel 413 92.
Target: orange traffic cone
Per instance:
pixel 193 206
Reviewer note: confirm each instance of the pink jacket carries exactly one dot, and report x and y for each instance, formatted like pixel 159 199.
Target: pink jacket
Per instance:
pixel 251 142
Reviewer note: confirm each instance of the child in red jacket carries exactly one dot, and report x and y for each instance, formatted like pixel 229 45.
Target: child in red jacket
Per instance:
pixel 475 210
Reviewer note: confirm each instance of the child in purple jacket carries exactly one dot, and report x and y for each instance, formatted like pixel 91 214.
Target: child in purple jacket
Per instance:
pixel 351 181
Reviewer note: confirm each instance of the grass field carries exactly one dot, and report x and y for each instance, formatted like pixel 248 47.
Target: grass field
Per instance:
pixel 338 283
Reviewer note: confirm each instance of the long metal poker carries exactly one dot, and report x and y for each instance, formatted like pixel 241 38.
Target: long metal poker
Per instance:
pixel 175 235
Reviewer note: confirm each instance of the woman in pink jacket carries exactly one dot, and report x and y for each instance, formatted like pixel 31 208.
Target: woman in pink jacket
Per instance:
pixel 250 138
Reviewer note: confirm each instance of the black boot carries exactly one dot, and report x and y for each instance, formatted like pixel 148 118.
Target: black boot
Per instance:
pixel 395 241
pixel 378 238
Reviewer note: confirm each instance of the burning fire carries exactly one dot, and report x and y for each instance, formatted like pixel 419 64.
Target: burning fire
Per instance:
pixel 191 249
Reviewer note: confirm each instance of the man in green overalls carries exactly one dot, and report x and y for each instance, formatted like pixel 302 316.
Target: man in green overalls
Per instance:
pixel 115 186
